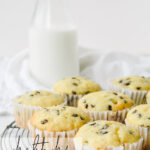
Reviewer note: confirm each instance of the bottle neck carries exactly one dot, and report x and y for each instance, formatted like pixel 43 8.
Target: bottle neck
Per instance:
pixel 50 13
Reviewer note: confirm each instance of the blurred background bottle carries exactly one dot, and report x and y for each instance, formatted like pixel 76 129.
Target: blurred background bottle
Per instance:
pixel 52 42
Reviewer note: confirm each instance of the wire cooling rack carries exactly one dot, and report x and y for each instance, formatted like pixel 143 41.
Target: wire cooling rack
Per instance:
pixel 14 138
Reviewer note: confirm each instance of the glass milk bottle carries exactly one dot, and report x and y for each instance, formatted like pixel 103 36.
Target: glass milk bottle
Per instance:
pixel 53 43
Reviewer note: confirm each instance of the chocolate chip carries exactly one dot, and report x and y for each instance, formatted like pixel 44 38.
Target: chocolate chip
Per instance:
pixel 75 115
pixel 73 92
pixel 109 107
pixel 115 93
pixel 31 95
pixel 148 118
pixel 81 118
pixel 58 112
pixel 92 124
pixel 105 126
pixel 126 84
pixel 75 78
pixel 120 81
pixel 121 97
pixel 103 132
pixel 138 88
pixel 130 132
pixel 37 92
pixel 134 111
pixel 75 84
pixel 139 115
pixel 92 106
pixel 46 109
pixel 87 92
pixel 86 105
pixel 44 121
pixel 84 101
pixel 125 101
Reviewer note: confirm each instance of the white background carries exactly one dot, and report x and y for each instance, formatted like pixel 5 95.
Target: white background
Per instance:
pixel 122 25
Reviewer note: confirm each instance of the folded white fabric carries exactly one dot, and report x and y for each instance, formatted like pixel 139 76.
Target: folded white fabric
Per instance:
pixel 15 77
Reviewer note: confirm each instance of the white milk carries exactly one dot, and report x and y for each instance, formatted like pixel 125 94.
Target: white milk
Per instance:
pixel 53 53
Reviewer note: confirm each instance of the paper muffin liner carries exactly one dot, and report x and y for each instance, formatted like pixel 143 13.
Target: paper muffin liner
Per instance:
pixel 53 140
pixel 139 97
pixel 108 115
pixel 144 132
pixel 147 101
pixel 72 100
pixel 23 113
pixel 126 146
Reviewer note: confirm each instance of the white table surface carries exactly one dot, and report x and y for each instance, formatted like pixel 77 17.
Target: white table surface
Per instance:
pixel 4 121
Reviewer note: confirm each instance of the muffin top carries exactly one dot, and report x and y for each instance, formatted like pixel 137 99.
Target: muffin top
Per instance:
pixel 40 98
pixel 105 101
pixel 133 83
pixel 139 116
pixel 100 134
pixel 59 118
pixel 76 85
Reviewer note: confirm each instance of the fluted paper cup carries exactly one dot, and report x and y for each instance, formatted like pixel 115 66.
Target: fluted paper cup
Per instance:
pixel 147 101
pixel 23 113
pixel 108 115
pixel 139 97
pixel 53 140
pixel 126 146
pixel 144 132
pixel 72 100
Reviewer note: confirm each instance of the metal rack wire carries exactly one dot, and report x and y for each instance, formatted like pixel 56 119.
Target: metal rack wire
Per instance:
pixel 15 138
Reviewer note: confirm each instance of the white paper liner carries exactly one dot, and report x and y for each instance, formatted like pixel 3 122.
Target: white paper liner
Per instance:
pixel 144 132
pixel 126 146
pixel 23 113
pixel 56 140
pixel 137 96
pixel 108 115
pixel 72 100
pixel 147 101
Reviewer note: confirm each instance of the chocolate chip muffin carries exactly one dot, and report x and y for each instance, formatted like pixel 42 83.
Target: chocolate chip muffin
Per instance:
pixel 59 118
pixel 58 121
pixel 40 98
pixel 139 117
pixel 108 104
pixel 107 134
pixel 28 103
pixel 134 86
pixel 133 83
pixel 75 87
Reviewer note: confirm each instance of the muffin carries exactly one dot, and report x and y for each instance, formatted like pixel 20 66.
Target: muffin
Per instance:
pixel 75 87
pixel 106 105
pixel 107 135
pixel 58 122
pixel 27 104
pixel 134 86
pixel 139 118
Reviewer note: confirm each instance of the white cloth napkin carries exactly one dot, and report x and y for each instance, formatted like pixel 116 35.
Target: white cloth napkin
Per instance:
pixel 15 78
